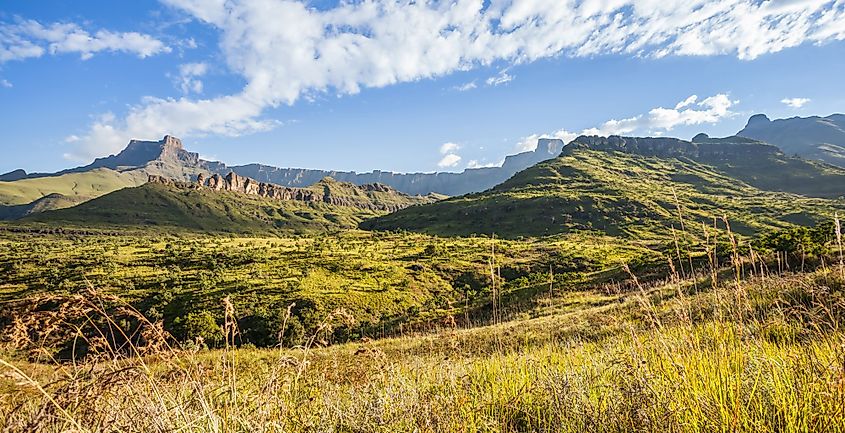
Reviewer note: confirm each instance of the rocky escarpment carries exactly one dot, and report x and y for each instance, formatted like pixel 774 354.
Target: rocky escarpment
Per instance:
pixel 376 197
pixel 702 148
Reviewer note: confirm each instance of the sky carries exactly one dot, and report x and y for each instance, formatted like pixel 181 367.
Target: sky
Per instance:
pixel 403 86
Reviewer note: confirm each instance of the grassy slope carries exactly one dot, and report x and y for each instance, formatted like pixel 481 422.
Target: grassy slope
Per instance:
pixel 776 171
pixel 620 194
pixel 80 186
pixel 155 205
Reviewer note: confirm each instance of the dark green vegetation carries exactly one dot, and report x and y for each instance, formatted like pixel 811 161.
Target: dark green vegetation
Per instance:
pixel 639 189
pixel 812 137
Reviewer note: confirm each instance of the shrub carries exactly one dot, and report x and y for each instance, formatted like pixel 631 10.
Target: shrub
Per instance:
pixel 199 324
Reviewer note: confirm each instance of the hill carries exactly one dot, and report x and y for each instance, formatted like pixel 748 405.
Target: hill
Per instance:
pixel 27 195
pixel 813 137
pixel 233 204
pixel 632 188
pixel 759 164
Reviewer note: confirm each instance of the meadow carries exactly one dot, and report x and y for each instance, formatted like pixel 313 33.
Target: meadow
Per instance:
pixel 734 336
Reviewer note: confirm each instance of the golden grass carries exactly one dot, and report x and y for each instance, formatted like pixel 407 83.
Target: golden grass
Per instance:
pixel 767 355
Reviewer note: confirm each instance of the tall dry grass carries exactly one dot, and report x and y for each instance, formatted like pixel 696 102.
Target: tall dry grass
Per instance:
pixel 662 359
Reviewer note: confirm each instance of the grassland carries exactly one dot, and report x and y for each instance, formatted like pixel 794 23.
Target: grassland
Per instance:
pixel 82 186
pixel 670 297
pixel 765 354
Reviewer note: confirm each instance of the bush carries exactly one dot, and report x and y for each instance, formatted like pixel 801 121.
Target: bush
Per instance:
pixel 201 325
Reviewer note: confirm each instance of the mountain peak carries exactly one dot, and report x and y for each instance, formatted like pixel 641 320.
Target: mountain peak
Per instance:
pixel 758 119
pixel 700 138
pixel 141 152
pixel 13 175
pixel 171 141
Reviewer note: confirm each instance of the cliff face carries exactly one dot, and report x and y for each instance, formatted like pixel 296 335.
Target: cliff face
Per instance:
pixel 374 197
pixel 702 148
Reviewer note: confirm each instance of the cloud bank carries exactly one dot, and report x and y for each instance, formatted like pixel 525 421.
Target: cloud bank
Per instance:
pixel 690 111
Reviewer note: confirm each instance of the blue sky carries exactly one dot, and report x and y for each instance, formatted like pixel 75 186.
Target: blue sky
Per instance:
pixel 400 86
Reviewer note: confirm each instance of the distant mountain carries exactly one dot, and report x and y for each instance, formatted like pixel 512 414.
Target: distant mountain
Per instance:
pixel 758 164
pixel 813 137
pixel 168 158
pixel 232 204
pixel 470 180
pixel 632 187
pixel 13 175
pixel 24 193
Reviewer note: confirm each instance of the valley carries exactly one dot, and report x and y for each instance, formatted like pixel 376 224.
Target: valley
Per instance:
pixel 627 283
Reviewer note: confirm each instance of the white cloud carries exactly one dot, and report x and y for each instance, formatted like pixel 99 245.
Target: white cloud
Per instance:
pixel 467 86
pixel 795 102
pixel 501 78
pixel 656 122
pixel 189 74
pixel 6 84
pixel 449 160
pixel 449 148
pixel 686 102
pixel 286 49
pixel 29 38
pixel 480 164
pixel 450 157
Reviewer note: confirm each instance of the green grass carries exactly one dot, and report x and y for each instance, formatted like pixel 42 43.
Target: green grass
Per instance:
pixel 79 186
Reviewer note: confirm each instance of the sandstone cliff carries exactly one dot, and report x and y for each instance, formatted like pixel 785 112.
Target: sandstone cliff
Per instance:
pixel 375 197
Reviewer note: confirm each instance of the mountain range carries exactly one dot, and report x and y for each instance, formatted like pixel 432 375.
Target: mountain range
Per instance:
pixel 810 137
pixel 640 188
pixel 592 175
pixel 23 193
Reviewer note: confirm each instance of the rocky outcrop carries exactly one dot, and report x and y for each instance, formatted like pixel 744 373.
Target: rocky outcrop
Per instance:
pixel 702 148
pixel 362 197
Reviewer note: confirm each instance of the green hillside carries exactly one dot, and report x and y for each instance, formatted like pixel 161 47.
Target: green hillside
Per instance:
pixel 75 186
pixel 620 193
pixel 206 210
